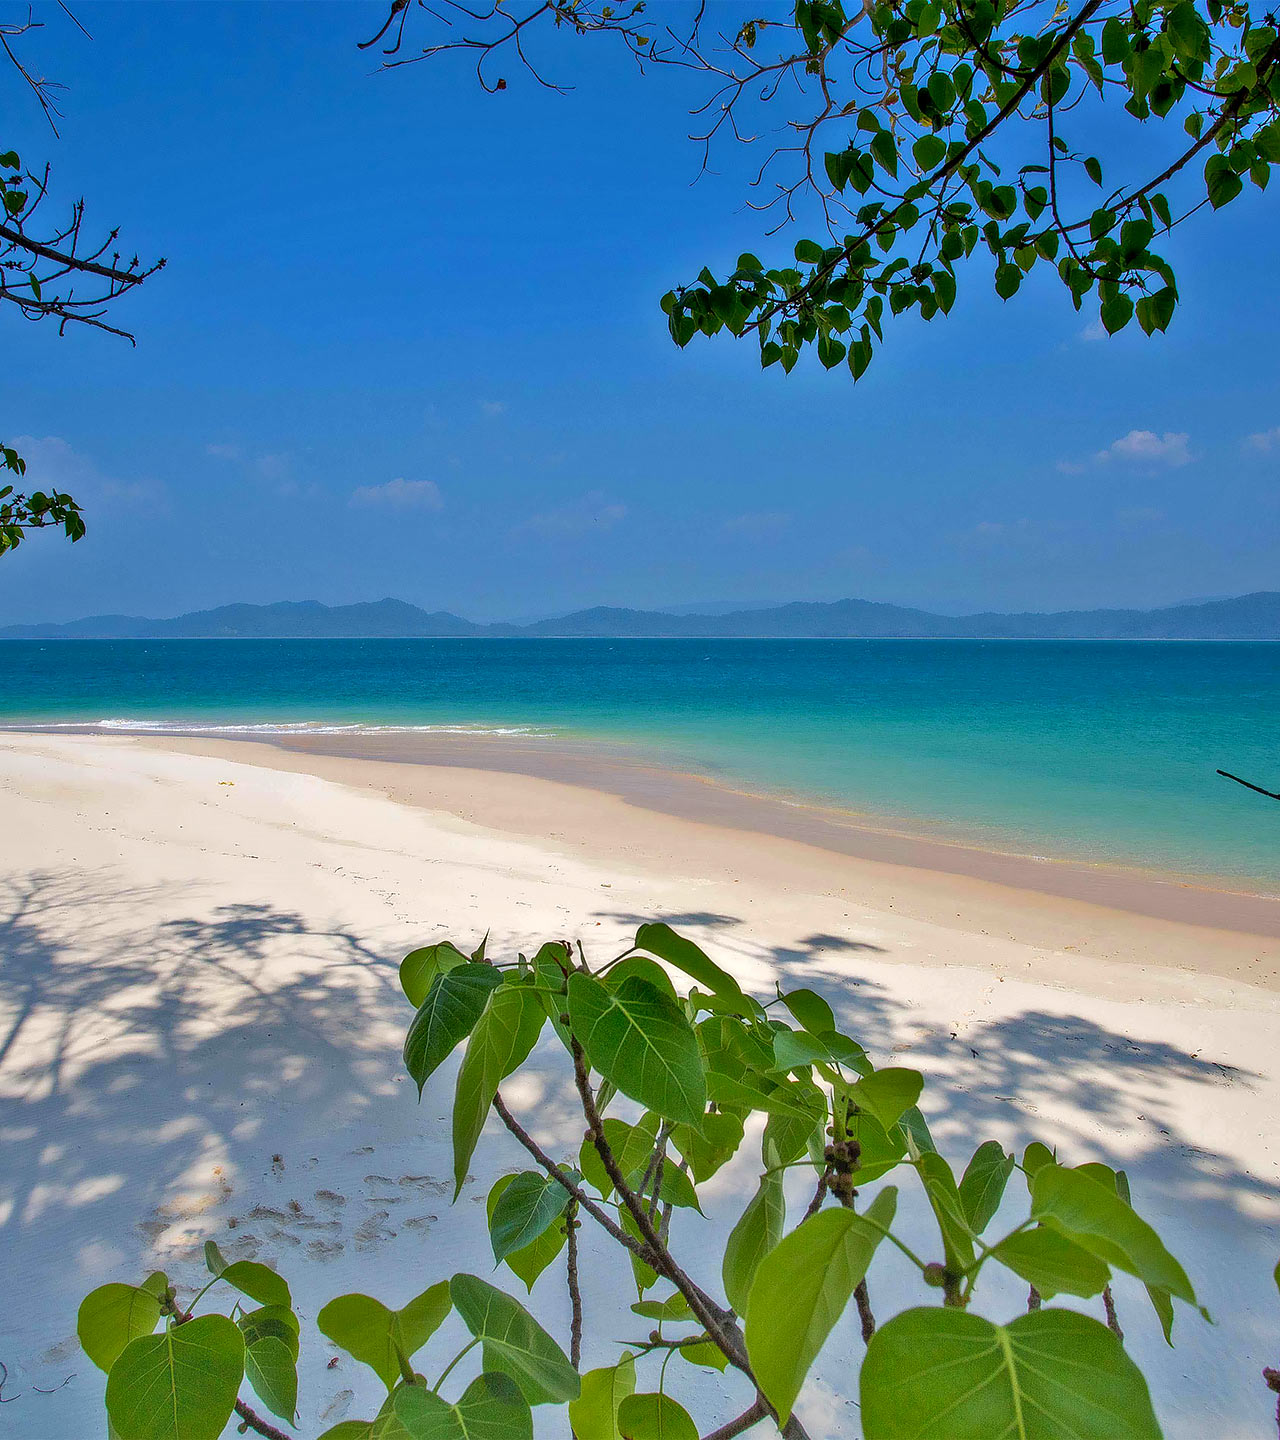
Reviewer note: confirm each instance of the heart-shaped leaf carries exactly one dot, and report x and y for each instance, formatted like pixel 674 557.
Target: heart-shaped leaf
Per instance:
pixel 379 1337
pixel 526 1208
pixel 113 1315
pixel 178 1385
pixel 419 968
pixel 528 1263
pixel 447 1016
pixel 653 1416
pixel 946 1374
pixel 491 1408
pixel 514 1342
pixel 639 1039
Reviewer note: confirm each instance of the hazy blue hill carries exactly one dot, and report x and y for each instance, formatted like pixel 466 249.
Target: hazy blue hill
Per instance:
pixel 1247 617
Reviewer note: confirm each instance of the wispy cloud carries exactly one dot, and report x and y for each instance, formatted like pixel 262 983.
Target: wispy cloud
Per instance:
pixel 757 524
pixel 223 452
pixel 1094 330
pixel 1145 447
pixel 987 534
pixel 400 494
pixel 593 512
pixel 494 407
pixel 1264 441
pixel 54 464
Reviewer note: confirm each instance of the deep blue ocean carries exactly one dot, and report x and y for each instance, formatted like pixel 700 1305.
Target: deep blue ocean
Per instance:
pixel 1101 751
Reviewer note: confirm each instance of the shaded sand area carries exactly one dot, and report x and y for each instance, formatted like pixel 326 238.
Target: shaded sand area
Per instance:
pixel 200 1029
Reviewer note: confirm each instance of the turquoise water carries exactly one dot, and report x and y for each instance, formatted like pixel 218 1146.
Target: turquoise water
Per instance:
pixel 1097 751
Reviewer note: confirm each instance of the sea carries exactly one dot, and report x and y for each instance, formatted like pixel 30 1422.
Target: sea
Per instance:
pixel 1096 752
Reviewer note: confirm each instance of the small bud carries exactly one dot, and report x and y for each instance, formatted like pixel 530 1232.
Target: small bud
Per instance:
pixel 935 1275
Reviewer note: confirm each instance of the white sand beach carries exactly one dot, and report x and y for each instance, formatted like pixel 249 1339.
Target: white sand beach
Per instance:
pixel 200 1031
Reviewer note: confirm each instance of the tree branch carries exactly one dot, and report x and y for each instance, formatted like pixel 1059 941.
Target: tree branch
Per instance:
pixel 1248 785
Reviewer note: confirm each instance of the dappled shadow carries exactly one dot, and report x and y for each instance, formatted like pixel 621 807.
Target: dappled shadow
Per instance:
pixel 129 1055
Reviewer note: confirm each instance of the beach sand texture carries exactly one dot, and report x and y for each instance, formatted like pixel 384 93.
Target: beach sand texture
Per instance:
pixel 200 1031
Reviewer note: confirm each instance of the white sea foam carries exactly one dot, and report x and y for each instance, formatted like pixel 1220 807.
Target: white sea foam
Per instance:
pixel 281 727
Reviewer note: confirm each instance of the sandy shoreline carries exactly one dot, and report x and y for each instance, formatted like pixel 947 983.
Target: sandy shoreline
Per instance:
pixel 198 944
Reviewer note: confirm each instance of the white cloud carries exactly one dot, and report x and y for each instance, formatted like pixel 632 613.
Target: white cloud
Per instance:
pixel 1094 330
pixel 1264 441
pixel 493 407
pixel 594 511
pixel 757 524
pixel 1145 447
pixel 53 464
pixel 400 494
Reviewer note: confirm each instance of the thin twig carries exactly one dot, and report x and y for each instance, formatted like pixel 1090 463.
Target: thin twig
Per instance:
pixel 575 1292
pixel 1109 1305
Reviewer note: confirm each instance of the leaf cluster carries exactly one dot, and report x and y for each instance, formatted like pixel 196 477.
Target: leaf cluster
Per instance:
pixel 675 1066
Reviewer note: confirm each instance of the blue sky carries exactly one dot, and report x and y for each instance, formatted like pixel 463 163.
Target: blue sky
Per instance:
pixel 408 342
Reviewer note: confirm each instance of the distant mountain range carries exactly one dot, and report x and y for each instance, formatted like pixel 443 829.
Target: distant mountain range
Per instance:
pixel 1247 617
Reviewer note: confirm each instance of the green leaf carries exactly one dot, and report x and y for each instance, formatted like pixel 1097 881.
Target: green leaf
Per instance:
pixel 271 1320
pixel 757 1232
pixel 271 1368
pixel 945 1374
pixel 801 1289
pixel 449 1013
pixel 379 1337
pixel 808 252
pixel 652 1416
pixel 491 1408
pixel 1096 1218
pixel 110 1317
pixel 505 1033
pixel 887 1093
pixel 662 941
pixel 674 1307
pixel 525 1209
pixel 594 1414
pixel 419 968
pixel 710 1147
pixel 258 1282
pixel 810 1010
pixel 640 1040
pixel 1116 313
pixel 944 1198
pixel 178 1385
pixel 982 1184
pixel 531 1261
pixel 1052 1263
pixel 1222 184
pixel 514 1342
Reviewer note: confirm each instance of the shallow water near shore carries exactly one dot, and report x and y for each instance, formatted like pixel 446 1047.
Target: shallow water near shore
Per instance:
pixel 1098 752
